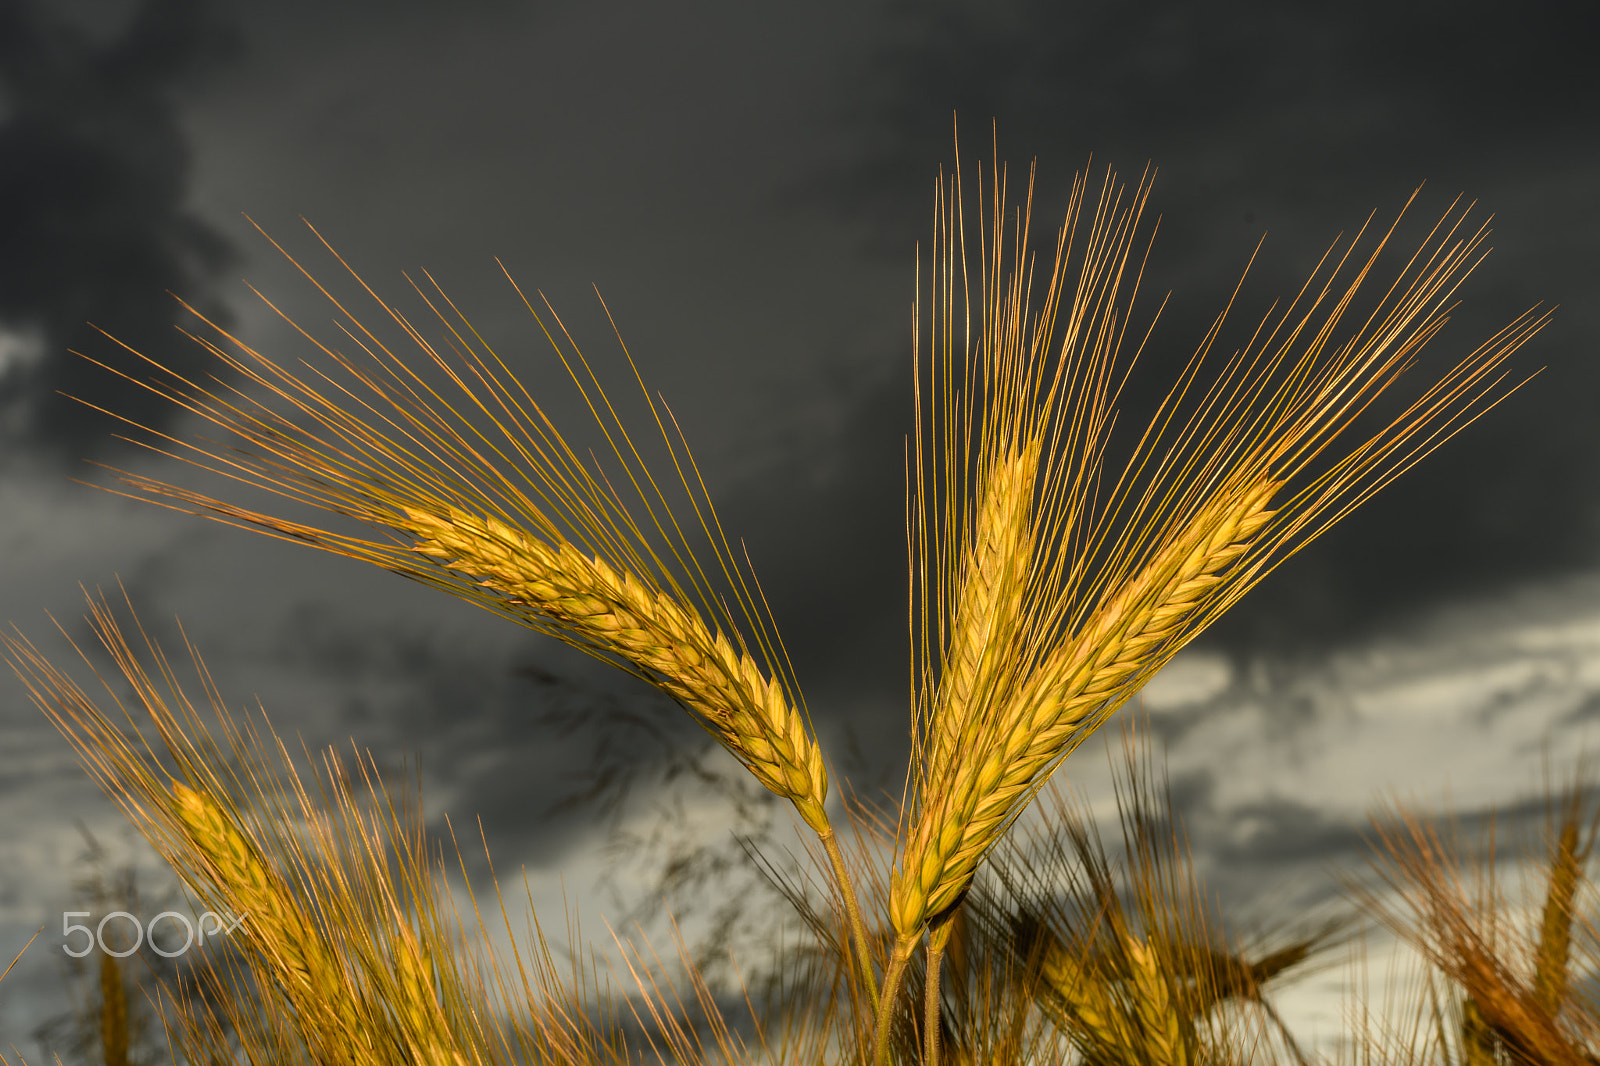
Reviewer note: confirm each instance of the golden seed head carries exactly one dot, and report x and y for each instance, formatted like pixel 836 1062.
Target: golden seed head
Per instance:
pixel 652 630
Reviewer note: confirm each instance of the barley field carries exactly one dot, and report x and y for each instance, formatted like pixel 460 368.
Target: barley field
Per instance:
pixel 1061 550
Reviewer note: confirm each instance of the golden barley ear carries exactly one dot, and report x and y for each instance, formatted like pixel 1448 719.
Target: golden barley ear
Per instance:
pixel 989 610
pixel 476 492
pixel 280 932
pixel 1076 580
pixel 721 685
pixel 1568 860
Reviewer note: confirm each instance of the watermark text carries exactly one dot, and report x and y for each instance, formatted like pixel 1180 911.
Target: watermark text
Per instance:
pixel 194 932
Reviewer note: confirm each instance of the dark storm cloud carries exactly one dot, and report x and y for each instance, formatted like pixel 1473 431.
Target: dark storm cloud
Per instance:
pixel 537 743
pixel 1300 120
pixel 826 530
pixel 94 225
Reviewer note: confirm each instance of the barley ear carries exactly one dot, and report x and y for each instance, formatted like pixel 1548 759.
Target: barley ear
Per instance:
pixel 1165 1033
pixel 1004 757
pixel 1074 996
pixel 416 1004
pixel 990 608
pixel 721 685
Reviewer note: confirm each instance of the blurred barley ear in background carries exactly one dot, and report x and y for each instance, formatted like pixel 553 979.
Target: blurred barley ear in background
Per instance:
pixel 111 1018
pixel 351 950
pixel 1520 968
pixel 1065 949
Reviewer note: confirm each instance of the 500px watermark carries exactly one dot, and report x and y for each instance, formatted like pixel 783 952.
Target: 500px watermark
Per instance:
pixel 221 925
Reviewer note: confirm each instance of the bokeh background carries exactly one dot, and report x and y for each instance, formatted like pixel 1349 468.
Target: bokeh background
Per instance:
pixel 745 185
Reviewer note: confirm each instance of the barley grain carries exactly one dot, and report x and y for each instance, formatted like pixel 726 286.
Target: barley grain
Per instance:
pixel 1555 931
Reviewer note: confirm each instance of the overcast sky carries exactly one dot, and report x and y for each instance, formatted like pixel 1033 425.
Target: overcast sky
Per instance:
pixel 746 186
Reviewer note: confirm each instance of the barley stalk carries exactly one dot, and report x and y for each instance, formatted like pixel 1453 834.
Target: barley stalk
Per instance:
pixel 723 687
pixel 938 938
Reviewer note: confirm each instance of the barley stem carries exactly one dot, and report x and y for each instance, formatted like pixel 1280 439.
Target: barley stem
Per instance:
pixel 113 1012
pixel 858 928
pixel 938 936
pixel 892 979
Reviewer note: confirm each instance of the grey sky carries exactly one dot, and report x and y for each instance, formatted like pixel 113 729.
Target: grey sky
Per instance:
pixel 745 185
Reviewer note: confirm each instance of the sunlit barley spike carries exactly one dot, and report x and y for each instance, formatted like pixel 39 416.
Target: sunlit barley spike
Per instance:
pixel 723 687
pixel 990 606
pixel 424 1024
pixel 1001 758
pixel 1076 996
